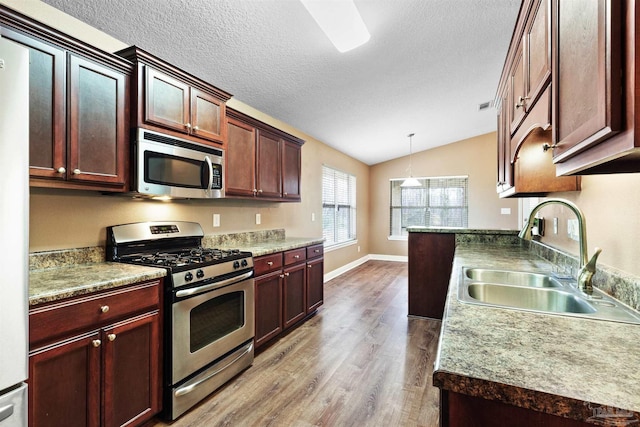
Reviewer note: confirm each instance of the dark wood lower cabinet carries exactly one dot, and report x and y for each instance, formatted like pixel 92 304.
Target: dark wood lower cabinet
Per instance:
pixel 289 288
pixel 460 410
pixel 268 307
pixel 430 263
pixel 105 375
pixel 294 293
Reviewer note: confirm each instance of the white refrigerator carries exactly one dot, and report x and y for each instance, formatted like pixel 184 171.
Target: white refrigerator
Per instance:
pixel 14 232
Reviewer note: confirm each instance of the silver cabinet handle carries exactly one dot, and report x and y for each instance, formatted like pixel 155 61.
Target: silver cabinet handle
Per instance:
pixel 309 266
pixel 77 171
pixel 282 276
pixel 61 170
pixel 196 128
pixel 104 308
pixel 296 256
pixel 188 125
pixel 210 166
pixel 286 274
pixel 269 263
pixel 96 343
pixel 111 337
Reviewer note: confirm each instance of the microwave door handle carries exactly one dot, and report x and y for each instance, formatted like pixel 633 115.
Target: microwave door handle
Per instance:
pixel 208 160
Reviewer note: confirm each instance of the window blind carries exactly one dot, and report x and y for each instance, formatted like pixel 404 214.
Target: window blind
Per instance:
pixel 338 206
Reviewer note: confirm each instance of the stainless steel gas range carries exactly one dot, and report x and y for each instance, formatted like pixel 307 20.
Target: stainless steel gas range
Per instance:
pixel 208 306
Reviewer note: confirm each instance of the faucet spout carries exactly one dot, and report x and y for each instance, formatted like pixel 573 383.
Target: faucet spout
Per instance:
pixel 587 267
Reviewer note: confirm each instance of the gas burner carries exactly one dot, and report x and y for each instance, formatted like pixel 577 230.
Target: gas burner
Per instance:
pixel 183 257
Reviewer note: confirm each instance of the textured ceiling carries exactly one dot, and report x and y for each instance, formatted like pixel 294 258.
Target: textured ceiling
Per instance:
pixel 427 66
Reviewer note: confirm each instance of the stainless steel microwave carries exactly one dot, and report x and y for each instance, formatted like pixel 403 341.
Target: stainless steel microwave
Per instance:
pixel 166 166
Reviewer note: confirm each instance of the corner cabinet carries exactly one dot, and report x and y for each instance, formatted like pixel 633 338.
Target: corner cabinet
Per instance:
pixel 78 108
pixel 172 101
pixel 289 289
pixel 262 162
pixel 525 167
pixel 101 369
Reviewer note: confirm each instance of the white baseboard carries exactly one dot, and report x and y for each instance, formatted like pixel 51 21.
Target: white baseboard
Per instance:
pixel 378 257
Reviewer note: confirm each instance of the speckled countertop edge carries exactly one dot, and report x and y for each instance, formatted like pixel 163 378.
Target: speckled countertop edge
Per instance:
pixel 273 246
pixel 561 365
pixel 52 284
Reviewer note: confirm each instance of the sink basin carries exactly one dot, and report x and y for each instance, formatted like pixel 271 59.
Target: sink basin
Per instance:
pixel 515 278
pixel 548 300
pixel 539 293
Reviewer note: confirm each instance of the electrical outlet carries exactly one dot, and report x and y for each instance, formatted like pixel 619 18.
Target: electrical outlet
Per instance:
pixel 216 220
pixel 572 229
pixel 358 248
pixel 505 211
pixel 258 219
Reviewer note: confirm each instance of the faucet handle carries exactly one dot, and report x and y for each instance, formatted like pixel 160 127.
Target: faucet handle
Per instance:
pixel 586 273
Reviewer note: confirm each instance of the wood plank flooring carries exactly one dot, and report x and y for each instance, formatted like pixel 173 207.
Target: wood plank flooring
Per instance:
pixel 360 361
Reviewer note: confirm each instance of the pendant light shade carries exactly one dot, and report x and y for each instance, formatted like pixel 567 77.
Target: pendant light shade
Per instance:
pixel 411 181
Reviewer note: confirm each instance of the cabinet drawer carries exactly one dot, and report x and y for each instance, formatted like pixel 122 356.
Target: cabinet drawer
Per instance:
pixel 295 255
pixel 315 251
pixel 93 311
pixel 267 263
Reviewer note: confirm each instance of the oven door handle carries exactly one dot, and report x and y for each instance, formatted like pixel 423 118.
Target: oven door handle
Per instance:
pixel 212 286
pixel 208 160
pixel 190 387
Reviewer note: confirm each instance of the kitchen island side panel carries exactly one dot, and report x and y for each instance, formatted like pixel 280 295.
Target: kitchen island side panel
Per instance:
pixel 430 262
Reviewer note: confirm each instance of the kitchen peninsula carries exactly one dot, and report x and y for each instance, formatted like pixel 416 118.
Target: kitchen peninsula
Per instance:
pixel 522 367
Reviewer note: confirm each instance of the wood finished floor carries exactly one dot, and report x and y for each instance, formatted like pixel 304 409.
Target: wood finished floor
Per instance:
pixel 360 361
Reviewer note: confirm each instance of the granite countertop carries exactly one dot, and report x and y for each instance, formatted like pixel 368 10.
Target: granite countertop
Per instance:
pixel 56 283
pixel 561 365
pixel 460 230
pixel 273 246
pixel 60 274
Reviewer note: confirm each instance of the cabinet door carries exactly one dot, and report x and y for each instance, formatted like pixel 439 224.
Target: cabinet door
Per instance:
pixel 537 45
pixel 98 147
pixel 294 290
pixel 166 101
pixel 517 91
pixel 268 166
pixel 291 161
pixel 47 107
pixel 131 385
pixel 315 284
pixel 587 96
pixel 268 303
pixel 207 114
pixel 240 159
pixel 64 383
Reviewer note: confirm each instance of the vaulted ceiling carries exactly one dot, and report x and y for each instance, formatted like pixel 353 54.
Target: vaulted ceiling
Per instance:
pixel 425 70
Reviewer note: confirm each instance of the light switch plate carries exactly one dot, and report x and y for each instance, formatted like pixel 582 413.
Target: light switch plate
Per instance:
pixel 572 229
pixel 258 219
pixel 216 220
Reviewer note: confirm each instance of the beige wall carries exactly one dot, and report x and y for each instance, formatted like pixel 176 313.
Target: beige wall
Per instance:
pixel 611 206
pixel 475 157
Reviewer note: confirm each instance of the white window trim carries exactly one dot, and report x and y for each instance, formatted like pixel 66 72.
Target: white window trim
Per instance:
pixel 333 246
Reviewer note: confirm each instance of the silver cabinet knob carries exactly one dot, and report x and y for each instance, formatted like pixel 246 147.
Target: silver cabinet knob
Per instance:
pixel 96 343
pixel 296 256
pixel 188 125
pixel 196 128
pixel 260 191
pixel 269 263
pixel 286 274
pixel 282 276
pixel 111 337
pixel 77 171
pixel 61 170
pixel 309 266
pixel 104 308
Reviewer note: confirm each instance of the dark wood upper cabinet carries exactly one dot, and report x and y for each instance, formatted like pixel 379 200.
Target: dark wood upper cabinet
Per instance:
pixel 170 100
pixel 269 166
pixel 240 159
pixel 261 161
pixel 587 96
pixel 523 102
pixel 291 167
pixel 78 108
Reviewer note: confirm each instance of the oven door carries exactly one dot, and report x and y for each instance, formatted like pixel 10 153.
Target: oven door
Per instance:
pixel 177 168
pixel 208 325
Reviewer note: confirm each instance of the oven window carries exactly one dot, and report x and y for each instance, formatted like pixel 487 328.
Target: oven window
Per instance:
pixel 216 318
pixel 176 171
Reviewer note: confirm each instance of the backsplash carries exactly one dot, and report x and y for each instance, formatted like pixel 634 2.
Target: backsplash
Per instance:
pixel 622 286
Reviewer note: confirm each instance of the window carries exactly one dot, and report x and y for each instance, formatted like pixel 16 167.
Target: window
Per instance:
pixel 338 206
pixel 438 202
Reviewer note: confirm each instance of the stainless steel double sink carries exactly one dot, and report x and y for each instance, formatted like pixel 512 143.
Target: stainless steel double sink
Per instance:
pixel 539 292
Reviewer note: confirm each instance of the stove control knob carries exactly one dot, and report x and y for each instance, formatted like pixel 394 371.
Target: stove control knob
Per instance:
pixel 244 263
pixel 236 264
pixel 188 277
pixel 199 274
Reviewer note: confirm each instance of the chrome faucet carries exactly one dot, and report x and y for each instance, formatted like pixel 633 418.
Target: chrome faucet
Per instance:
pixel 587 267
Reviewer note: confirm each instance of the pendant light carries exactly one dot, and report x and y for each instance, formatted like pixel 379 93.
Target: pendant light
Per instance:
pixel 411 181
